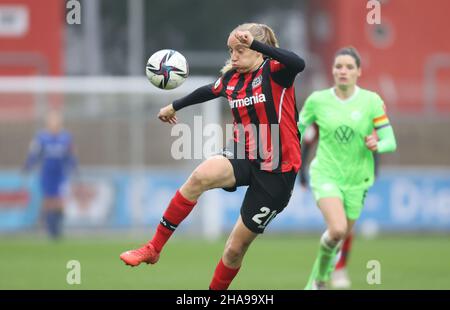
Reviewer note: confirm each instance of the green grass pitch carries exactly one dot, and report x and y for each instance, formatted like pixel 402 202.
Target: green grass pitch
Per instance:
pixel 272 262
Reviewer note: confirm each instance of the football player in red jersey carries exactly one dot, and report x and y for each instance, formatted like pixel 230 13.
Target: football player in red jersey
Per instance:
pixel 258 82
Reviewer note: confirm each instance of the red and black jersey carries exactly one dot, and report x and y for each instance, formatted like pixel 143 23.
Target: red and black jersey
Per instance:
pixel 263 106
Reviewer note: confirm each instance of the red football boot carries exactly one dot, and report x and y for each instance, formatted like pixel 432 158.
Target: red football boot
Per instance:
pixel 146 254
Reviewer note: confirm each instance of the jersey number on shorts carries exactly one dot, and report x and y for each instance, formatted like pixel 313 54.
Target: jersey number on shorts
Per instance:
pixel 258 218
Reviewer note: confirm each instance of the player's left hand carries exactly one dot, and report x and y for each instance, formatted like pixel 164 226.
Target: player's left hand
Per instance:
pixel 244 37
pixel 372 143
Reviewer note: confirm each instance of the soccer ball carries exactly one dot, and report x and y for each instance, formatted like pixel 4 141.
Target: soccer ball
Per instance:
pixel 167 69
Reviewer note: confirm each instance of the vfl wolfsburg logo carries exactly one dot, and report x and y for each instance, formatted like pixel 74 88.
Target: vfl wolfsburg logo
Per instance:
pixel 344 134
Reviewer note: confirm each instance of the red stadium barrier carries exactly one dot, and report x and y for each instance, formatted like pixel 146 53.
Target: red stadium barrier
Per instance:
pixel 405 58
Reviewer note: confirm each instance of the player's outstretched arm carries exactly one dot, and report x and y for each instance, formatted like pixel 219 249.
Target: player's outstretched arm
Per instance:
pixel 202 94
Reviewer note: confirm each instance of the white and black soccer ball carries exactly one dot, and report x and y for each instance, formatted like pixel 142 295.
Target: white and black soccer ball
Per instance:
pixel 167 69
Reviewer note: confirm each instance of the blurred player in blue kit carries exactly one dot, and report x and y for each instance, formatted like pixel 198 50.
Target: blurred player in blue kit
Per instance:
pixel 52 148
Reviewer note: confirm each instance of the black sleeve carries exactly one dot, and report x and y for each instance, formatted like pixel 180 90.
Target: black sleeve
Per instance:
pixel 199 95
pixel 292 62
pixel 287 58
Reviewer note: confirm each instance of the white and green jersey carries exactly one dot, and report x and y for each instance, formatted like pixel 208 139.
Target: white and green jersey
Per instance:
pixel 342 155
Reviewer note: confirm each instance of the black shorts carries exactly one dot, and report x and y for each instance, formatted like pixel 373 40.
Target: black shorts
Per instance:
pixel 267 194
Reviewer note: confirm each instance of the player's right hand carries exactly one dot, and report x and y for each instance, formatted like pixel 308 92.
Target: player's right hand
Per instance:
pixel 244 37
pixel 167 114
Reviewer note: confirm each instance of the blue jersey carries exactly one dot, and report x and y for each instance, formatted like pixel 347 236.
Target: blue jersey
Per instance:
pixel 55 153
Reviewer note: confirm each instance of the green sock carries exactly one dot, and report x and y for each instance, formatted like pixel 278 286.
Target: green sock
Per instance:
pixel 313 275
pixel 326 262
pixel 323 265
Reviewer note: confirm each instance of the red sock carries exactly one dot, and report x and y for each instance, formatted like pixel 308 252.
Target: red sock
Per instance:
pixel 345 252
pixel 223 276
pixel 178 209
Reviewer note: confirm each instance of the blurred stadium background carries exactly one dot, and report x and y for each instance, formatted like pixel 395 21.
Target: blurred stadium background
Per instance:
pixel 94 73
